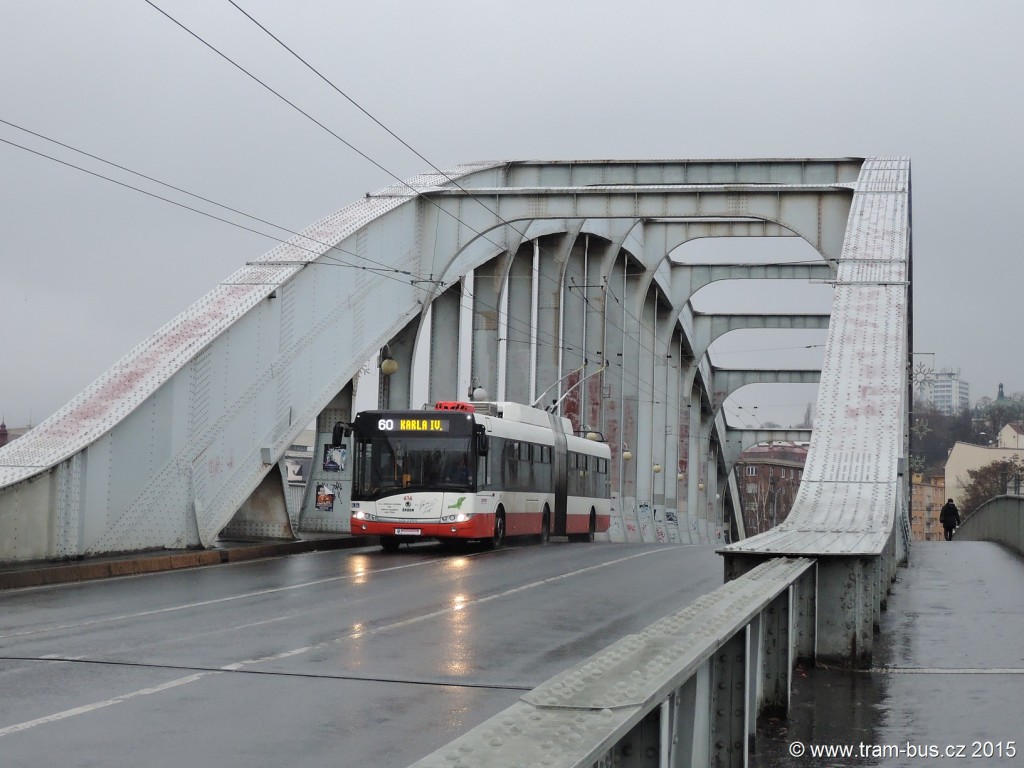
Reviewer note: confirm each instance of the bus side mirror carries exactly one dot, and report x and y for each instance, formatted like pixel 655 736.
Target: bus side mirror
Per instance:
pixel 482 443
pixel 340 432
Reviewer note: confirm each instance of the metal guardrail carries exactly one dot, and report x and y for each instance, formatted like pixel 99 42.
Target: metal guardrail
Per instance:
pixel 686 690
pixel 1001 519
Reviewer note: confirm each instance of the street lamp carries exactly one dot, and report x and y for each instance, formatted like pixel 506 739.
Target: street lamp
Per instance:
pixel 388 364
pixel 388 367
pixel 477 394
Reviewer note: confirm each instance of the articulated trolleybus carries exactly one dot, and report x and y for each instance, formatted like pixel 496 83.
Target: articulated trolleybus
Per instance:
pixel 479 471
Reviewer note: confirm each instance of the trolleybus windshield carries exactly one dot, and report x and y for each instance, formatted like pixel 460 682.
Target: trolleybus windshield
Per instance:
pixel 393 463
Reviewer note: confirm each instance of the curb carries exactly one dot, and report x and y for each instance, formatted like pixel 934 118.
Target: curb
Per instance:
pixel 42 574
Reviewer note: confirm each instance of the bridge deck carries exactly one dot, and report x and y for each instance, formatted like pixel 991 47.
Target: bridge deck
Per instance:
pixel 948 669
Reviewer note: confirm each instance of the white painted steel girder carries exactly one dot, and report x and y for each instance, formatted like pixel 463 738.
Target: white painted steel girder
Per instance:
pixel 816 213
pixel 848 498
pixel 687 279
pixel 726 381
pixel 709 327
pixel 587 173
pixel 665 236
pixel 168 444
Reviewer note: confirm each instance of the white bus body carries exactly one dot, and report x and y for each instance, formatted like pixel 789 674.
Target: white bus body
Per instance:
pixel 476 471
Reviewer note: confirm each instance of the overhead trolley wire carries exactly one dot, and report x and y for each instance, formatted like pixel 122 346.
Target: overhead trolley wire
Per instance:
pixel 381 268
pixel 418 154
pixel 348 144
pixel 404 143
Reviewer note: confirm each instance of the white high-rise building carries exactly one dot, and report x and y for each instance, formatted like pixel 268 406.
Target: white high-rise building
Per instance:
pixel 947 391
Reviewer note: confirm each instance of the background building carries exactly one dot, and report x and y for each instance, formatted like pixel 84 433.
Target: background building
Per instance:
pixel 7 434
pixel 965 456
pixel 945 390
pixel 1011 436
pixel 768 476
pixel 927 495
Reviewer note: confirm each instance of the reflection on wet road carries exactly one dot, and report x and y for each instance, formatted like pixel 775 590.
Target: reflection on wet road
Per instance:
pixel 344 658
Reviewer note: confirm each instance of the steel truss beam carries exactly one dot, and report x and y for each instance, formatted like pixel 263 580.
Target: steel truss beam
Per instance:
pixel 166 447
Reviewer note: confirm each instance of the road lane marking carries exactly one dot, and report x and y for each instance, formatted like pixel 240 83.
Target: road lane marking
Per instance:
pixel 86 708
pixel 214 601
pixel 436 614
pixel 265 621
pixel 949 670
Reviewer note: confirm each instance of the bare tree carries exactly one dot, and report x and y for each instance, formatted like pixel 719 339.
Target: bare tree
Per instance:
pixel 990 481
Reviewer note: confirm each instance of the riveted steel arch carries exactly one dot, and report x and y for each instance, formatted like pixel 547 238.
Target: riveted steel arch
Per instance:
pixel 171 444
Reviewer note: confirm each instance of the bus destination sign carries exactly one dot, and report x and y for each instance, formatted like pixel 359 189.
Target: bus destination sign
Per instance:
pixel 412 425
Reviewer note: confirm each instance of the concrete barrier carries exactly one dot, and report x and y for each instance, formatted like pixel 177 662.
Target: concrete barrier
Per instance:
pixel 15 576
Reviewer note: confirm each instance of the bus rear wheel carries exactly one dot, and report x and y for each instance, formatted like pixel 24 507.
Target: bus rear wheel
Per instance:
pixel 545 529
pixel 591 530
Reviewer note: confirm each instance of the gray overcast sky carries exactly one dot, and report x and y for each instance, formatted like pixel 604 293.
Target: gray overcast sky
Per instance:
pixel 89 269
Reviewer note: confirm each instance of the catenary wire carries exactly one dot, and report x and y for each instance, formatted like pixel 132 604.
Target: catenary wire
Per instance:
pixel 394 135
pixel 387 267
pixel 351 146
pixel 383 268
pixel 334 134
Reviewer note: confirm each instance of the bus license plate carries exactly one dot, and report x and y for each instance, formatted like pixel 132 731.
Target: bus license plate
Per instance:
pixel 408 532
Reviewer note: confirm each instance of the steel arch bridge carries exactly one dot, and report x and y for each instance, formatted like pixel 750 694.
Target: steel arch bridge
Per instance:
pixel 535 280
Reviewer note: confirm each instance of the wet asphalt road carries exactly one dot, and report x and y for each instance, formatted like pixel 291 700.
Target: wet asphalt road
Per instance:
pixel 344 658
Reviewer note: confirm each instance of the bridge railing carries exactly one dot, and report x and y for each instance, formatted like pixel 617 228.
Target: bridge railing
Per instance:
pixel 1001 519
pixel 686 690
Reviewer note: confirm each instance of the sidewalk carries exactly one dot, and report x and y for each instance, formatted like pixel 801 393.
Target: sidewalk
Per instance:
pixel 38 573
pixel 947 679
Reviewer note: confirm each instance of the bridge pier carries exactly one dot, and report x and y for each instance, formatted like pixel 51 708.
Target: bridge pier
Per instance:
pixel 847 602
pixel 330 512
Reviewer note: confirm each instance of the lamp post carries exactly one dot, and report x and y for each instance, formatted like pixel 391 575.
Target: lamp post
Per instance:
pixel 625 456
pixel 656 470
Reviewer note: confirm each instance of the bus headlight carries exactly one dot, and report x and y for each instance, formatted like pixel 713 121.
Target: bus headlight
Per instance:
pixel 461 517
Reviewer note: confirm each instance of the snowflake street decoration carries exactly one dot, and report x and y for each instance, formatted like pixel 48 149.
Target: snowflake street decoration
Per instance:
pixel 917 463
pixel 922 376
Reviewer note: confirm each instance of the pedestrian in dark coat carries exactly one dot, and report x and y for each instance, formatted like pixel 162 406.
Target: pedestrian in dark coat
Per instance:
pixel 949 516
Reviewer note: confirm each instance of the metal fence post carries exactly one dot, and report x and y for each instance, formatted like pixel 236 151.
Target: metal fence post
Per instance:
pixel 804 607
pixel 776 656
pixel 728 703
pixel 692 728
pixel 641 747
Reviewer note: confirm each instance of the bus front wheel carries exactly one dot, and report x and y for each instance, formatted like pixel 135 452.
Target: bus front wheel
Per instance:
pixel 498 537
